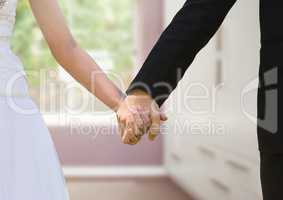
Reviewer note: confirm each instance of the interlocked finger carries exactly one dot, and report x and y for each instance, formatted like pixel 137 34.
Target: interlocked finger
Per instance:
pixel 129 136
pixel 155 125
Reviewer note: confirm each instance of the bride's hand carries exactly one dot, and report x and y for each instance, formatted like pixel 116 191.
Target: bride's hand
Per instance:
pixel 130 123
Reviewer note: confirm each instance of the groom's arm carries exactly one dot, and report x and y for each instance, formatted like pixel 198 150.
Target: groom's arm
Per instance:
pixel 191 29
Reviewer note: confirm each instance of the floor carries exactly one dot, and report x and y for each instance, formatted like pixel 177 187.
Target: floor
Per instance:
pixel 125 189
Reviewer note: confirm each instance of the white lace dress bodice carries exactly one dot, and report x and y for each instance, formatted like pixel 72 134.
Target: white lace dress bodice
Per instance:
pixel 7 20
pixel 12 76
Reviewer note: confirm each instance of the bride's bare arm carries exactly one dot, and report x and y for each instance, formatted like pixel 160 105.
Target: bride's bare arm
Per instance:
pixel 69 55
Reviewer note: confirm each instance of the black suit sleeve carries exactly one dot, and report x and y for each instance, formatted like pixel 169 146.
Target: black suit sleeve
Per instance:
pixel 191 29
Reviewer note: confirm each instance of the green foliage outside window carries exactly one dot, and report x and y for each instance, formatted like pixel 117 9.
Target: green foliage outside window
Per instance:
pixel 96 25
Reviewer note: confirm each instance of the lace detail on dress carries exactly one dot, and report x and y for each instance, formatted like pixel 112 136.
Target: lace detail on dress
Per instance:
pixel 10 64
pixel 7 18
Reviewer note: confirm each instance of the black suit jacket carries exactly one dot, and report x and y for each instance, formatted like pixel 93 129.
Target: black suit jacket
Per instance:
pixel 190 31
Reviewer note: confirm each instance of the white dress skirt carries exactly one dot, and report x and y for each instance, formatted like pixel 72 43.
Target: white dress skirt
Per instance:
pixel 29 166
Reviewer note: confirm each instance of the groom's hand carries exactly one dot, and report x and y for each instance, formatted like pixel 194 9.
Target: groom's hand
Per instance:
pixel 137 115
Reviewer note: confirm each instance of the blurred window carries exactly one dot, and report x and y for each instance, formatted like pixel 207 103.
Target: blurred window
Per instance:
pixel 104 28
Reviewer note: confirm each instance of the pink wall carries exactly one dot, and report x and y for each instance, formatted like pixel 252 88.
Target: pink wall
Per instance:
pixel 148 27
pixel 103 148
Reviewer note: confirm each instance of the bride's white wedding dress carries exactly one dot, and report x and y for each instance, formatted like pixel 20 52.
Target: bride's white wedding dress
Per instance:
pixel 29 167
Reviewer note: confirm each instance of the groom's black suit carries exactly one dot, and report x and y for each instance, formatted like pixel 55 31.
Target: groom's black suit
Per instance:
pixel 191 29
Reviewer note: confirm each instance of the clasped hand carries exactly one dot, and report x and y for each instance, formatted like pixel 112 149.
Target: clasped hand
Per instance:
pixel 137 115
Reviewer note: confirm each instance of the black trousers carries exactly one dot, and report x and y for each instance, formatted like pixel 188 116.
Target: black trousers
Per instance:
pixel 272 176
pixel 270 133
pixel 190 30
